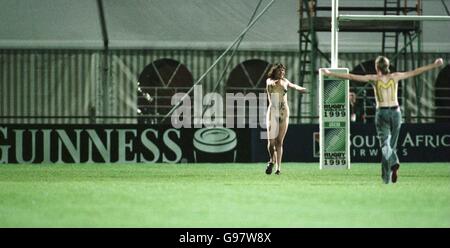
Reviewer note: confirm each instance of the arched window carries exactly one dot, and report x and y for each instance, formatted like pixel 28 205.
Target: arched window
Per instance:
pixel 249 79
pixel 442 95
pixel 160 80
pixel 248 75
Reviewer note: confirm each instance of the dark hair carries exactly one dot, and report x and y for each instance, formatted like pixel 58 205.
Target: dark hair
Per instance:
pixel 273 70
pixel 382 64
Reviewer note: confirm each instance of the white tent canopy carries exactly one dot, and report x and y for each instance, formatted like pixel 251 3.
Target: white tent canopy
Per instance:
pixel 145 24
pixel 49 24
pixel 181 24
pixel 201 24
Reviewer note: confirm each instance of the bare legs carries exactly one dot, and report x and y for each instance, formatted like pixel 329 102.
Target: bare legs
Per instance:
pixel 279 143
pixel 271 149
pixel 277 132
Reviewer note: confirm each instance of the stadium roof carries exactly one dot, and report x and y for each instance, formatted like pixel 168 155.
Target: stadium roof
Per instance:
pixel 172 24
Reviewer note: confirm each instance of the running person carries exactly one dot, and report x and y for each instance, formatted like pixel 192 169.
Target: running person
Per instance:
pixel 277 118
pixel 387 116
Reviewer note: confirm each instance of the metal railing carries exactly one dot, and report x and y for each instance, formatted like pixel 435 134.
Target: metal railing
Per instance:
pixel 155 110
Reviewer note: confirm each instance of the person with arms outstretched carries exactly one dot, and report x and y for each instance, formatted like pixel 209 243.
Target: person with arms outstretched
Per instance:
pixel 388 117
pixel 277 118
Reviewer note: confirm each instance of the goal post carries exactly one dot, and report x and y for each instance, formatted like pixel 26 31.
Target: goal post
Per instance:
pixel 334 121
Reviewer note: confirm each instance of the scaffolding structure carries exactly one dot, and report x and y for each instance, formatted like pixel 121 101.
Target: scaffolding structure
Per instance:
pixel 398 39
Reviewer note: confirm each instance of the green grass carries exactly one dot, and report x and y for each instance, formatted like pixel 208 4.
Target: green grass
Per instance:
pixel 222 195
